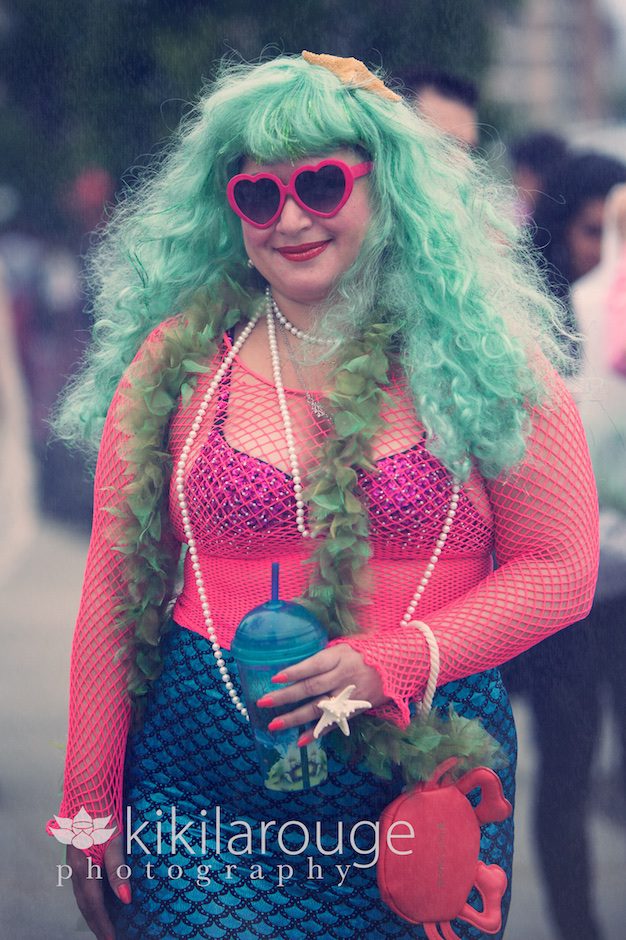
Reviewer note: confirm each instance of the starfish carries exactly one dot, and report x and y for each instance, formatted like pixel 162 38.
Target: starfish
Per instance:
pixel 338 709
pixel 351 72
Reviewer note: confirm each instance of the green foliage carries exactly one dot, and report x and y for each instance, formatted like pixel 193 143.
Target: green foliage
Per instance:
pixel 333 493
pixel 420 747
pixel 103 82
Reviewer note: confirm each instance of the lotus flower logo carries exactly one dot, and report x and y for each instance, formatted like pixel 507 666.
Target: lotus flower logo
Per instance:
pixel 82 831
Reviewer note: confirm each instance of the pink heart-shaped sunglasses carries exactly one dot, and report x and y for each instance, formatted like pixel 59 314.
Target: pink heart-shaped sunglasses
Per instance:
pixel 322 189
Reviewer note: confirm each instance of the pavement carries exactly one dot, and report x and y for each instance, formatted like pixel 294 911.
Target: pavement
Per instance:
pixel 39 603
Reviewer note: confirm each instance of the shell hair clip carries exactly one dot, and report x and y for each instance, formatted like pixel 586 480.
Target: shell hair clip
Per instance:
pixel 351 72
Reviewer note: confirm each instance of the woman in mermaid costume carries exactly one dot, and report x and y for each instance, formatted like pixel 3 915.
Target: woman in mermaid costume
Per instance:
pixel 319 340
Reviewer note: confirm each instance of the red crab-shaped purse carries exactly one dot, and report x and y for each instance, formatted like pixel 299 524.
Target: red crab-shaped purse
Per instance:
pixel 425 873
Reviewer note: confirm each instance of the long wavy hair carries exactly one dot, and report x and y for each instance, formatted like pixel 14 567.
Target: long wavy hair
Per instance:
pixel 443 262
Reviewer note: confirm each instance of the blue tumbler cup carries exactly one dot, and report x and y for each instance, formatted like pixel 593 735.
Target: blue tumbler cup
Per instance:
pixel 268 639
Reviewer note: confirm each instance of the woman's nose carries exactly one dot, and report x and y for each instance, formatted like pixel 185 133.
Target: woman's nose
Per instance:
pixel 293 217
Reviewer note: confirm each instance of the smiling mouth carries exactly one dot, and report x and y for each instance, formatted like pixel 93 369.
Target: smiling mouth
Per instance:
pixel 303 252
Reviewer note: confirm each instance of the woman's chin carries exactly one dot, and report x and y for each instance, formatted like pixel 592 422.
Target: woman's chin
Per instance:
pixel 302 291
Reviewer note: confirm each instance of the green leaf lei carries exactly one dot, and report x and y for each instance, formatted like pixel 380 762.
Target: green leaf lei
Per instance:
pixel 165 373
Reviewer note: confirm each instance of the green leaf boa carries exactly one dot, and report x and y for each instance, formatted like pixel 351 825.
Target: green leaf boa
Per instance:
pixel 167 372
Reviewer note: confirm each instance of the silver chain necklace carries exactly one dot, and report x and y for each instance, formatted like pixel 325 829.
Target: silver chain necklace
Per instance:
pixel 314 405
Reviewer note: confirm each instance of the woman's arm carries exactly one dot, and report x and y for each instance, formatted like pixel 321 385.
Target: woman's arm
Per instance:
pixel 99 713
pixel 546 537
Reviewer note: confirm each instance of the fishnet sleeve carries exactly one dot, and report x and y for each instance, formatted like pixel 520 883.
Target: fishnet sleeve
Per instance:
pixel 99 707
pixel 546 547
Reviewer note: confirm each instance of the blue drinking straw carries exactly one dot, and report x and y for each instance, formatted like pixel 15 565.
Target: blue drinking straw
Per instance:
pixel 275 570
pixel 304 751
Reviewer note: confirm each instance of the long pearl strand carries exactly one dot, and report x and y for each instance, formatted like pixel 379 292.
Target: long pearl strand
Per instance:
pixel 184 512
pixel 434 558
pixel 284 410
pixel 297 481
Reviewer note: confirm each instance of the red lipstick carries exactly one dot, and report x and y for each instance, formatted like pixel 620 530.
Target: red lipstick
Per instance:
pixel 303 252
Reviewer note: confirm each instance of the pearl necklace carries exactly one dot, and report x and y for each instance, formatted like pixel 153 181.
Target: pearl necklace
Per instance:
pixel 218 653
pixel 289 438
pixel 282 319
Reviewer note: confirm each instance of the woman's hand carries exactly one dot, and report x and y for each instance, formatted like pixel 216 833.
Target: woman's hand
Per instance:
pixel 322 676
pixel 89 892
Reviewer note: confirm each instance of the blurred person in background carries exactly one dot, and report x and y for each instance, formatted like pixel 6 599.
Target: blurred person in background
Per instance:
pixel 446 100
pixel 86 199
pixel 63 324
pixel 599 302
pixel 615 265
pixel 532 158
pixel 569 223
pixel 43 281
pixel 569 216
pixel 563 675
pixel 43 284
pixel 17 472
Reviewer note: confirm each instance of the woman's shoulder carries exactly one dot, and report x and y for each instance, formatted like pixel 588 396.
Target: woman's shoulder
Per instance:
pixel 171 344
pixel 168 363
pixel 160 334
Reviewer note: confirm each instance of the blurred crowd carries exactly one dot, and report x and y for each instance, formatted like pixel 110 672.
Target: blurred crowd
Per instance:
pixel 45 328
pixel 575 205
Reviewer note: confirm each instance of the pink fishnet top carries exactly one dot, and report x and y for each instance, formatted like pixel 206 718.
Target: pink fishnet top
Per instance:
pixel 540 522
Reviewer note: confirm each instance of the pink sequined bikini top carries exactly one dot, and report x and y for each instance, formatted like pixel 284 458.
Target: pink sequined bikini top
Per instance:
pixel 242 505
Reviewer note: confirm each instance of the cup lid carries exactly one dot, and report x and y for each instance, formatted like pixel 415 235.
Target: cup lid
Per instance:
pixel 278 632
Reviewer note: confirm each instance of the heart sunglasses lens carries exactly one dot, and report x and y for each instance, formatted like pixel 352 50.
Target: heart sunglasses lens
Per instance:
pixel 321 190
pixel 258 200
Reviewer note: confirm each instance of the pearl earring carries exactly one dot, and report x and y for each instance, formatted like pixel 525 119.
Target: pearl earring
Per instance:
pixel 250 263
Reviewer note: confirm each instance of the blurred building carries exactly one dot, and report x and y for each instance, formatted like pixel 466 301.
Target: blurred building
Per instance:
pixel 555 62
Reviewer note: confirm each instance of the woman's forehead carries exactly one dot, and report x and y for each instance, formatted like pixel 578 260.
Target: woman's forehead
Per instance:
pixel 284 168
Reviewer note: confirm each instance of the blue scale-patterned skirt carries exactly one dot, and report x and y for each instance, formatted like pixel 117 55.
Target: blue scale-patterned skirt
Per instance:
pixel 228 875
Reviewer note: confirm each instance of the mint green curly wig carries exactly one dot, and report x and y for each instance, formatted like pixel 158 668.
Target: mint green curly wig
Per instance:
pixel 443 264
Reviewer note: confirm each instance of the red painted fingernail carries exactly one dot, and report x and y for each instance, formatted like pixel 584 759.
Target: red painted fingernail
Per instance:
pixel 123 893
pixel 265 701
pixel 306 738
pixel 276 724
pixel 280 677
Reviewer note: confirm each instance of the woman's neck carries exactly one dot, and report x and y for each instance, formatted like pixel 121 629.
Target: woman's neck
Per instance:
pixel 301 314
